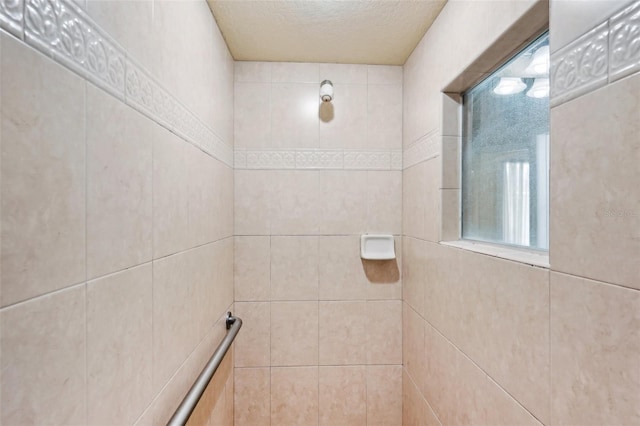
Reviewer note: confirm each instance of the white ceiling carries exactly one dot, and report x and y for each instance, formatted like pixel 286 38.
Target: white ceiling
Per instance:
pixel 339 31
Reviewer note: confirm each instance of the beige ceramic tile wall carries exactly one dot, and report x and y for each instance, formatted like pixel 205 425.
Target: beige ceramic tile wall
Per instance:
pixel 117 247
pixel 491 341
pixel 322 340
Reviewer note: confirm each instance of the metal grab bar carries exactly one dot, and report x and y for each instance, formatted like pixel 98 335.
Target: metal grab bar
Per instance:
pixel 190 401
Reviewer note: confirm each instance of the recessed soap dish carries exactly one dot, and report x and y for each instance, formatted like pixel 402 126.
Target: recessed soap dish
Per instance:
pixel 377 247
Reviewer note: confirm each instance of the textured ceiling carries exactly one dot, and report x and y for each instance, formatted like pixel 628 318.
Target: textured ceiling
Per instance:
pixel 340 31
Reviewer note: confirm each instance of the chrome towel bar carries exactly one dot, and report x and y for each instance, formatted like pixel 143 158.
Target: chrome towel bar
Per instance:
pixel 190 401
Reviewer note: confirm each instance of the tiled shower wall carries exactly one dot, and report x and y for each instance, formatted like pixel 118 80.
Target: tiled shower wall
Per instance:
pixel 117 209
pixel 322 340
pixel 493 341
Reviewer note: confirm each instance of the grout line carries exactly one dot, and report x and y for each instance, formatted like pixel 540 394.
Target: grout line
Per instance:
pixel 594 281
pixel 49 293
pixel 270 327
pixel 86 251
pixel 550 375
pixel 318 365
pixel 153 252
pixel 89 280
pixel 478 366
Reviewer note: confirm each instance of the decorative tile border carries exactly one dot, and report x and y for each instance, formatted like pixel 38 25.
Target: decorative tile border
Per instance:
pixel 423 149
pixel 64 32
pixel 319 159
pixel 624 43
pixel 581 66
pixel 605 54
pixel 12 16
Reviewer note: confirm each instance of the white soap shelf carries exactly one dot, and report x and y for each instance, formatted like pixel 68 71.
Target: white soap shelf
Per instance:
pixel 377 247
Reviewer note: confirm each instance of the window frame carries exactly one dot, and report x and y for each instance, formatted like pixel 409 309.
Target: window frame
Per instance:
pixel 534 218
pixel 535 24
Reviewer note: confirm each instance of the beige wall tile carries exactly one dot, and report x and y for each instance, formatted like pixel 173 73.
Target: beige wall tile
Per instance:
pixel 203 261
pixel 343 123
pixel 211 280
pixel 119 347
pixel 413 273
pixel 420 110
pixel 384 74
pixel 415 410
pixel 384 117
pixel 294 114
pixel 432 211
pixel 341 272
pixel 129 23
pixel 296 202
pixel 343 396
pixel 450 162
pixel 252 346
pixel 252 268
pixel 183 31
pixel 294 333
pixel 226 417
pixel 343 333
pixel 252 115
pixel 497 312
pixel 595 201
pixel 291 72
pixel 451 115
pixel 343 73
pixel 595 342
pixel 221 187
pixel 440 375
pixel 253 192
pixel 420 200
pixel 413 346
pixel 222 296
pixel 202 197
pixel 384 332
pixel 170 198
pixel 442 271
pixel 257 72
pixel 413 202
pixel 294 268
pixel 119 197
pixel 43 360
pixel 384 202
pixel 481 401
pixel 220 77
pixel 384 395
pixel 294 396
pixel 42 175
pixel 343 202
pixel 174 334
pixel 451 216
pixel 252 405
pixel 570 19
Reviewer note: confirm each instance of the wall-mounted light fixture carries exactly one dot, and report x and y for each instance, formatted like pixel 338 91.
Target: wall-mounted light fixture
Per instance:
pixel 326 91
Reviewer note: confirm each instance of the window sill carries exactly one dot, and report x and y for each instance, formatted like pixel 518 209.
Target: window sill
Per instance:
pixel 529 257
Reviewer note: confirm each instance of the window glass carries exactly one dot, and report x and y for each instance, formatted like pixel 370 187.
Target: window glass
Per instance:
pixel 505 152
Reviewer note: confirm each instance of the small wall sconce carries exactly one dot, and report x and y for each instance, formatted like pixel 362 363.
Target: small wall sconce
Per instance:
pixel 326 91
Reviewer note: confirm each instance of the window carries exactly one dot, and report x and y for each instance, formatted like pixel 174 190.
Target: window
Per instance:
pixel 505 152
